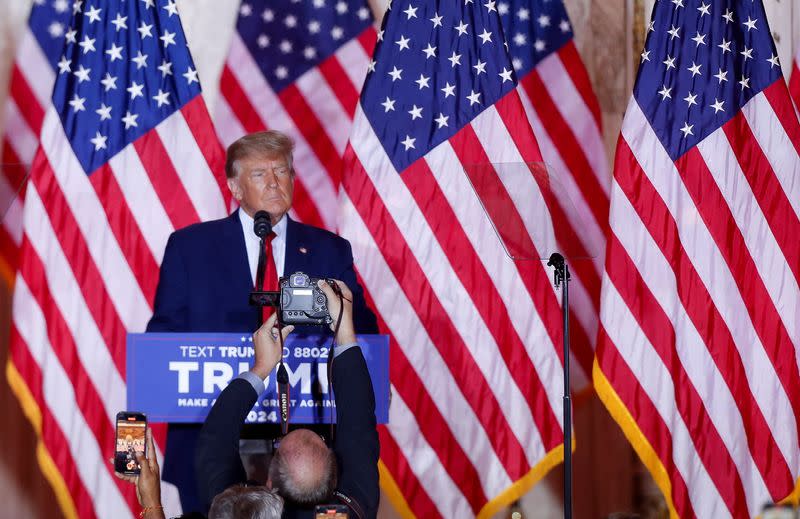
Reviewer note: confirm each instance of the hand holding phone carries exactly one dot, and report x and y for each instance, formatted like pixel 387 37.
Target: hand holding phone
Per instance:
pixel 144 472
pixel 130 439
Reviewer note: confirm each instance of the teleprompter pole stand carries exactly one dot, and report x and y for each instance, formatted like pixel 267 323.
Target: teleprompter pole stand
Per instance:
pixel 561 279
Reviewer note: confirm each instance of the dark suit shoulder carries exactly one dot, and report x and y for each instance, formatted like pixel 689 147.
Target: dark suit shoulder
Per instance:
pixel 204 229
pixel 318 233
pixel 204 235
pixel 321 237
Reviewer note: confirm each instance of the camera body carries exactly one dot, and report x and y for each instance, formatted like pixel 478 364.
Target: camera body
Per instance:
pixel 302 302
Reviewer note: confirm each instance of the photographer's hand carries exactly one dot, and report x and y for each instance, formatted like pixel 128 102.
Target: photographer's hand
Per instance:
pixel 268 347
pixel 346 334
pixel 148 486
pixel 148 482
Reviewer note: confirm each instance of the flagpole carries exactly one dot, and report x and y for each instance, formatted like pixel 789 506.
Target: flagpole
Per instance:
pixel 561 279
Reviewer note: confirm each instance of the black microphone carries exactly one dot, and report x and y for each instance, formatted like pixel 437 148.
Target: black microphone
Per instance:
pixel 261 224
pixel 262 227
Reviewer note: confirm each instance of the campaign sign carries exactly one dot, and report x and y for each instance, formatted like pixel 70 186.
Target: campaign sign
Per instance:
pixel 176 377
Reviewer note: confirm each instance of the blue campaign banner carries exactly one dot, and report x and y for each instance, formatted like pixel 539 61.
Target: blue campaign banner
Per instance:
pixel 176 377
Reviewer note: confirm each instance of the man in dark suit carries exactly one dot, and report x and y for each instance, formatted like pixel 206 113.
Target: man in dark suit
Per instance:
pixel 304 471
pixel 209 269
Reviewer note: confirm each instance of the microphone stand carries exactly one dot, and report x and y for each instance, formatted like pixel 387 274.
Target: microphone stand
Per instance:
pixel 262 266
pixel 561 279
pixel 259 297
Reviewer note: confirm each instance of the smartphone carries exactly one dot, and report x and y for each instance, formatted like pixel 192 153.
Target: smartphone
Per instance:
pixel 131 429
pixel 331 512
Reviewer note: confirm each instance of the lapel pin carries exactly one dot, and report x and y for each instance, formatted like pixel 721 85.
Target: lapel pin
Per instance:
pixel 303 250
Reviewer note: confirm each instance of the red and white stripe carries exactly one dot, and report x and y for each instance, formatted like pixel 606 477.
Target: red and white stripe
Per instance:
pixel 32 81
pixel 316 111
pixel 794 81
pixel 90 251
pixel 565 116
pixel 476 367
pixel 700 315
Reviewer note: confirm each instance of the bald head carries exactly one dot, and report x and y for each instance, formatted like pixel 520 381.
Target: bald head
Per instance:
pixel 303 469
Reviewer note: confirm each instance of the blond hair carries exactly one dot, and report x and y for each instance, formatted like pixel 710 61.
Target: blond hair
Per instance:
pixel 269 143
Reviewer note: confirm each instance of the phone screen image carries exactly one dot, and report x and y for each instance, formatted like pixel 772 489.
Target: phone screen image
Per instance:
pixel 130 440
pixel 331 512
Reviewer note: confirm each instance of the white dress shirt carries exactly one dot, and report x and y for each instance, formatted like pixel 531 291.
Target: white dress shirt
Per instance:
pixel 253 243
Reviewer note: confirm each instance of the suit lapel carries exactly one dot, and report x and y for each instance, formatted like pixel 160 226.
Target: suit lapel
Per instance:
pixel 297 248
pixel 233 252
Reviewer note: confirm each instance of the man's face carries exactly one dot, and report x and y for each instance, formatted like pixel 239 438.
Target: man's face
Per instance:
pixel 263 182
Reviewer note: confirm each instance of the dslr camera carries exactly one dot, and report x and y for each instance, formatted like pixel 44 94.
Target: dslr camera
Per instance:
pixel 302 302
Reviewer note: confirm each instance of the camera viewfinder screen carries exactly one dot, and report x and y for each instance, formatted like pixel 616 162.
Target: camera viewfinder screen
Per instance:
pixel 302 297
pixel 130 439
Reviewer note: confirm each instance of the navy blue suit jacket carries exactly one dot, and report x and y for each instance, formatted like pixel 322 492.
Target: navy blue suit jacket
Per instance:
pixel 204 286
pixel 205 276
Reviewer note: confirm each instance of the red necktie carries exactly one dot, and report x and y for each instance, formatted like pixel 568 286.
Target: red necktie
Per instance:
pixel 270 274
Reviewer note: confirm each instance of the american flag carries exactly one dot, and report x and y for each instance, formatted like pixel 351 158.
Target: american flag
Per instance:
pixel 794 82
pixel 127 154
pixel 32 78
pixel 699 343
pixel 476 371
pixel 557 94
pixel 298 66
